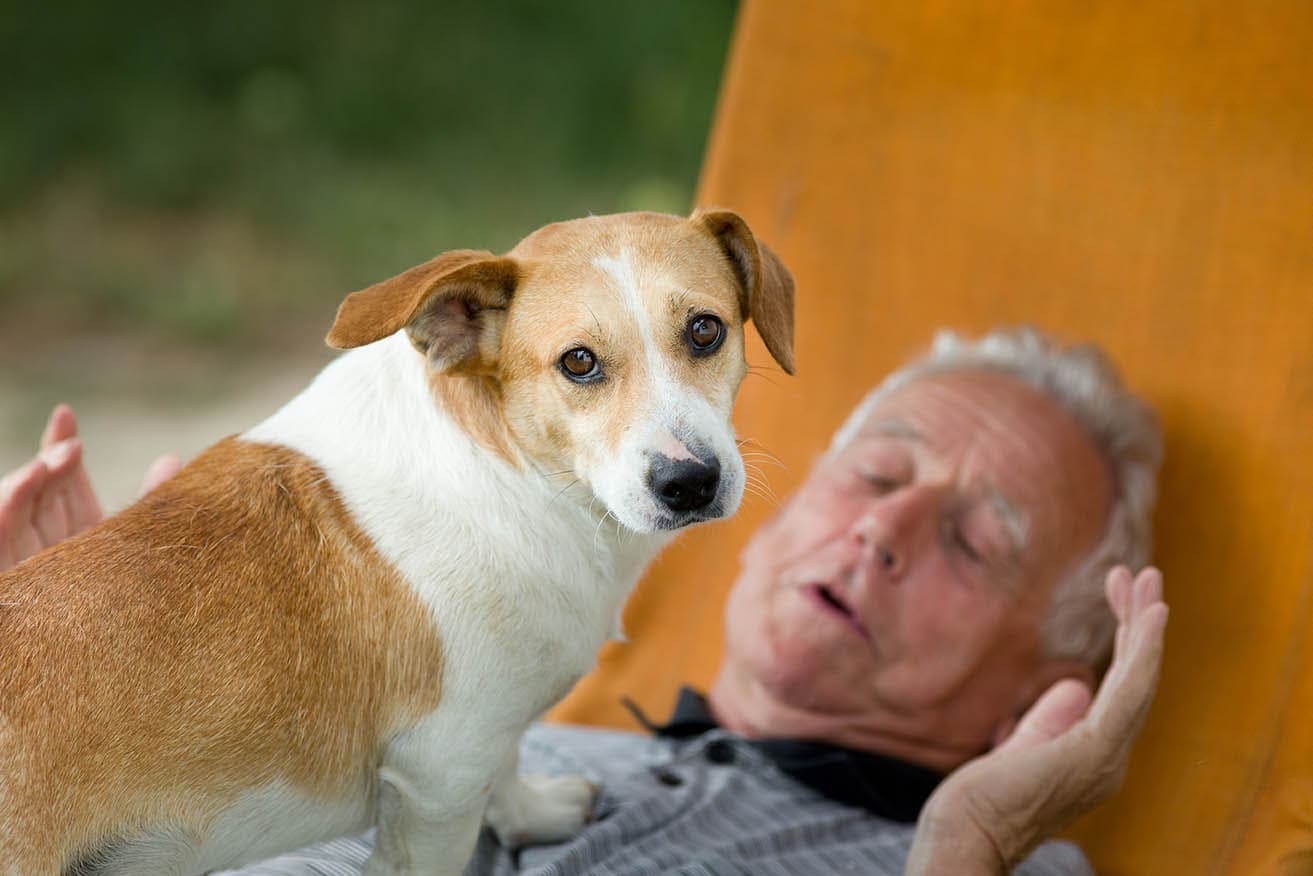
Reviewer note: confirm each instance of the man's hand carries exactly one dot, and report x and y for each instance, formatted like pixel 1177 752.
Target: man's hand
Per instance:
pixel 1066 755
pixel 51 498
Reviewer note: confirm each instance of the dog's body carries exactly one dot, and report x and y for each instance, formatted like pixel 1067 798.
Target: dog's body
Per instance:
pixel 348 615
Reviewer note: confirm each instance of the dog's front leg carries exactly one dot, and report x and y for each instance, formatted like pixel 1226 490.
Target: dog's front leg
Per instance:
pixel 429 806
pixel 417 837
pixel 525 810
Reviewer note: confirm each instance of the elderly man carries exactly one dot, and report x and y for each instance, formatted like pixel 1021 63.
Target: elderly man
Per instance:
pixel 930 603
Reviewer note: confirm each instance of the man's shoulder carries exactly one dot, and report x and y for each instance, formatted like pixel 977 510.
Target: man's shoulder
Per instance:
pixel 826 830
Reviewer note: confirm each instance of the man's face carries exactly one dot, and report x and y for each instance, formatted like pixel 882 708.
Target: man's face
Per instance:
pixel 895 601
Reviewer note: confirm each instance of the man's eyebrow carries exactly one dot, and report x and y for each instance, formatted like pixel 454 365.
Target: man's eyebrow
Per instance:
pixel 894 427
pixel 1014 521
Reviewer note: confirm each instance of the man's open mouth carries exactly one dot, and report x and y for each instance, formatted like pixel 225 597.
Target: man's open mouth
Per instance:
pixel 831 601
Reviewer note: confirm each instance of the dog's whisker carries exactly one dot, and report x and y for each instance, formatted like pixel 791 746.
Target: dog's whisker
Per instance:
pixel 755 491
pixel 597 530
pixel 766 488
pixel 601 333
pixel 759 490
pixel 758 449
pixel 759 481
pixel 561 492
pixel 763 377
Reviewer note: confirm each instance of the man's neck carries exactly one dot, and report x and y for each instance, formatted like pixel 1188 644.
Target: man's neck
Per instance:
pixel 749 709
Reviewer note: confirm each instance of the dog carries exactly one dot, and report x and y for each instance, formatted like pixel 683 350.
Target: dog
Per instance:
pixel 348 615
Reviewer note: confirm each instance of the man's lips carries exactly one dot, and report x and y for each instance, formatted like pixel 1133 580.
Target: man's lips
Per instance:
pixel 832 602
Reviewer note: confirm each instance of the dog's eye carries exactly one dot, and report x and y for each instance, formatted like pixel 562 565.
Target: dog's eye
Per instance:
pixel 705 334
pixel 580 365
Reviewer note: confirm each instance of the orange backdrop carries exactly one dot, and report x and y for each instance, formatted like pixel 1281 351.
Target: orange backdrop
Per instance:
pixel 1136 172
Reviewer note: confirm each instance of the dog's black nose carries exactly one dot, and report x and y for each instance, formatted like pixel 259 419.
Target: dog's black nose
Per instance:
pixel 685 484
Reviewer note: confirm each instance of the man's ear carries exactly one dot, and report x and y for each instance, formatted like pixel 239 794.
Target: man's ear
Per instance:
pixel 452 308
pixel 767 286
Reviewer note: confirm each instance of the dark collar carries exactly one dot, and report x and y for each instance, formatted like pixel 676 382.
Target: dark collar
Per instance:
pixel 886 786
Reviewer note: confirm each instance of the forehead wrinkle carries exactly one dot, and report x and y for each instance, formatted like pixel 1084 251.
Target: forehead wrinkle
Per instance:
pixel 896 427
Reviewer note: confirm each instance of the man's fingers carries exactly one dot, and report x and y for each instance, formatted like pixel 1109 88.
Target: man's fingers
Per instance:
pixel 62 457
pixel 1118 588
pixel 50 498
pixel 51 515
pixel 1147 589
pixel 19 488
pixel 1127 691
pixel 18 492
pixel 1053 714
pixel 80 502
pixel 160 471
pixel 61 426
pixel 21 482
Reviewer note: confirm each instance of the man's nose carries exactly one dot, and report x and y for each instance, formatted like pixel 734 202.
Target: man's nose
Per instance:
pixel 890 531
pixel 878 547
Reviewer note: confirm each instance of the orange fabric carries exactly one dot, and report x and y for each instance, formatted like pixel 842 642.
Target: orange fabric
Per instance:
pixel 1135 172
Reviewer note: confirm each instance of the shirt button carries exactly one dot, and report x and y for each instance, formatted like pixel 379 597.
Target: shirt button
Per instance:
pixel 668 777
pixel 720 751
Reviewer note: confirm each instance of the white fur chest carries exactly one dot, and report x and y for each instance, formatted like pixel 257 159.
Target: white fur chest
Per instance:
pixel 523 583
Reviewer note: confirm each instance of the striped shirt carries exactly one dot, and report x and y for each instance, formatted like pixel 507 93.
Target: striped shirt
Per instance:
pixel 699 804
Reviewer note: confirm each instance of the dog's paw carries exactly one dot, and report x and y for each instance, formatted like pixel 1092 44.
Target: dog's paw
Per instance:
pixel 540 809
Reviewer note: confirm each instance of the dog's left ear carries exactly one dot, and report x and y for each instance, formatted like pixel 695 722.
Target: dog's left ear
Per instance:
pixel 767 286
pixel 452 308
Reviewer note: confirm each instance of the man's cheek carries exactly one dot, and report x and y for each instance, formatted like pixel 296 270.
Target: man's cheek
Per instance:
pixel 946 632
pixel 814 520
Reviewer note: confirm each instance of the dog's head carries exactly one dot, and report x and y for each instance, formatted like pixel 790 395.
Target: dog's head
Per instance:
pixel 609 349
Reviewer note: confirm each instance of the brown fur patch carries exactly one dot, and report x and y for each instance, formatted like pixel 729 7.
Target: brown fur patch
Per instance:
pixel 232 629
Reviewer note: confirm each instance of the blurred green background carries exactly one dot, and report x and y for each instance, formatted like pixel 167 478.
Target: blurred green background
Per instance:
pixel 188 190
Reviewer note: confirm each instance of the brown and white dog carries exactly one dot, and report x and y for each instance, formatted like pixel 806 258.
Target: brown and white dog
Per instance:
pixel 349 614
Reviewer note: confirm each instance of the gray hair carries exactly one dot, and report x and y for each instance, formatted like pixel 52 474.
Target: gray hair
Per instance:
pixel 1083 380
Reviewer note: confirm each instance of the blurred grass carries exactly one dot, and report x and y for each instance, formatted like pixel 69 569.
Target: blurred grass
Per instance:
pixel 211 177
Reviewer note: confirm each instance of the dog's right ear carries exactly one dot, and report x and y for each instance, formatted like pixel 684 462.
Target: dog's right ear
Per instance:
pixel 452 308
